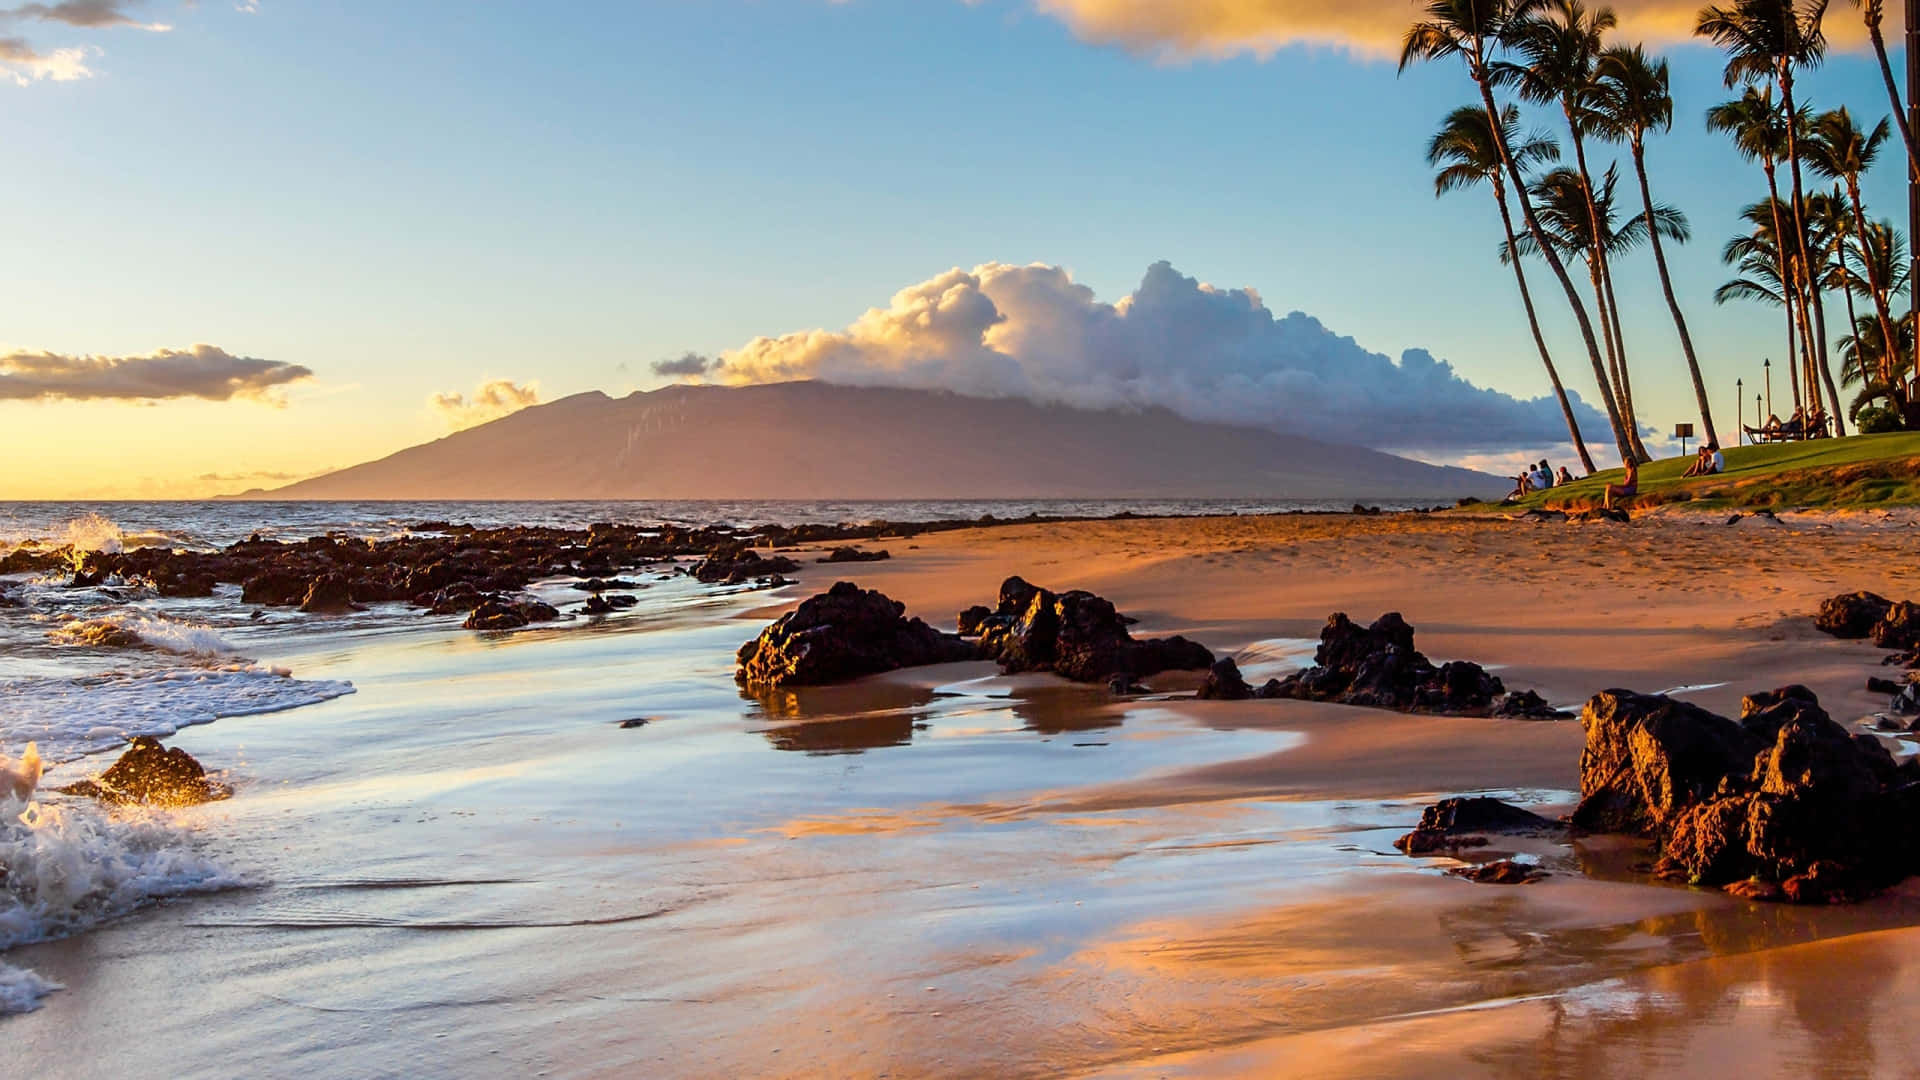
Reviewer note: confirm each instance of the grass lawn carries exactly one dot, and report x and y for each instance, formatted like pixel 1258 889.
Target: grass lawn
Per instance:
pixel 1861 472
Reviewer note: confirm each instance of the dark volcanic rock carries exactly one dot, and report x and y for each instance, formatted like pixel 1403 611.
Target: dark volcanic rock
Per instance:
pixel 1444 824
pixel 854 555
pixel 1504 872
pixel 1077 635
pixel 1852 615
pixel 973 619
pixel 508 613
pixel 1785 803
pixel 1900 629
pixel 1648 757
pixel 330 594
pixel 275 588
pixel 740 566
pixel 151 774
pixel 1377 666
pixel 1527 705
pixel 1225 683
pixel 842 634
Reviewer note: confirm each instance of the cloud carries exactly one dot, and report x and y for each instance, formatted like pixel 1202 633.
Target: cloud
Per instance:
pixel 1206 353
pixel 691 363
pixel 22 64
pixel 207 372
pixel 89 14
pixel 493 400
pixel 1215 29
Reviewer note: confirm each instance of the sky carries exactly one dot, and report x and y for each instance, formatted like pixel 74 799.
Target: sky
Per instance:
pixel 253 242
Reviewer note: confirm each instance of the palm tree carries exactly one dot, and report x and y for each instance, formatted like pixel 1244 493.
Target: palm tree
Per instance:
pixel 1881 373
pixel 1465 145
pixel 1769 40
pixel 1839 150
pixel 1768 274
pixel 1634 100
pixel 1874 11
pixel 1558 43
pixel 1827 229
pixel 1882 254
pixel 1759 132
pixel 1469 30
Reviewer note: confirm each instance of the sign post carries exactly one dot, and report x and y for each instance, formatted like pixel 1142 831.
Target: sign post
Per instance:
pixel 1683 432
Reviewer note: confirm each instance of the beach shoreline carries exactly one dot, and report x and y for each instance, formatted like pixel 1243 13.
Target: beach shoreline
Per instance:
pixel 1162 886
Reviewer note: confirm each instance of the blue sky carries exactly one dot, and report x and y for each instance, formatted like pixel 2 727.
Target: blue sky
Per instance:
pixel 416 198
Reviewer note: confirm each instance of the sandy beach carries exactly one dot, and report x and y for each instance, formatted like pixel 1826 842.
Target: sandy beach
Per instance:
pixel 467 868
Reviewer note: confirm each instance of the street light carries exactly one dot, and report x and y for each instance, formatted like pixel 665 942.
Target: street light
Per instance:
pixel 1767 365
pixel 1739 400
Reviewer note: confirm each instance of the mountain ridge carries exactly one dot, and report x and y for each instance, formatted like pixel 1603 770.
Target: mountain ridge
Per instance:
pixel 814 441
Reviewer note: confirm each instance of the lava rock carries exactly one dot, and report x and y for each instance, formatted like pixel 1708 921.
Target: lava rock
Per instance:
pixel 1852 615
pixel 854 555
pixel 1377 666
pixel 1077 635
pixel 1784 797
pixel 1504 872
pixel 1225 683
pixel 330 594
pixel 153 775
pixel 275 588
pixel 739 566
pixel 1900 629
pixel 970 621
pixel 1444 824
pixel 507 613
pixel 1527 705
pixel 843 633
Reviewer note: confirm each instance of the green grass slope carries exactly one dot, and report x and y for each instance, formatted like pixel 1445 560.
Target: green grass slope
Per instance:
pixel 1861 472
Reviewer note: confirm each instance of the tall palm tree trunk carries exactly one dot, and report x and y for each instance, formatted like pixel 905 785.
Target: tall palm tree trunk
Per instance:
pixel 1876 287
pixel 1626 376
pixel 1799 199
pixel 1479 73
pixel 1673 305
pixel 1609 317
pixel 1893 96
pixel 1539 339
pixel 1789 290
pixel 1826 373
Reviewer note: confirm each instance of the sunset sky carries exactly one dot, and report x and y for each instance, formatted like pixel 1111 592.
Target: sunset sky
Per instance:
pixel 341 229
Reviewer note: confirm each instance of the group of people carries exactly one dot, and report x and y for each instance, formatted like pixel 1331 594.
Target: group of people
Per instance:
pixel 1539 477
pixel 1803 424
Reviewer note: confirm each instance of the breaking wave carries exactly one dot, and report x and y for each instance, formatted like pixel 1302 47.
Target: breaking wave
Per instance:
pixel 131 630
pixel 73 866
pixel 73 716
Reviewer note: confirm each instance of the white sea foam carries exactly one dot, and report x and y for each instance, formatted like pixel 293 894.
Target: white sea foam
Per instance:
pixel 70 717
pixel 22 990
pixel 128 629
pixel 73 866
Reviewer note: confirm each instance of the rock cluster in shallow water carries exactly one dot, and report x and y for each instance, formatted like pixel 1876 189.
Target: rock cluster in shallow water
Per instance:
pixel 841 634
pixel 1377 666
pixel 1782 804
pixel 1076 635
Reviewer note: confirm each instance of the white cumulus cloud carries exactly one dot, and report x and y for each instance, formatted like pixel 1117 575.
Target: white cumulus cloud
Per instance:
pixel 1209 354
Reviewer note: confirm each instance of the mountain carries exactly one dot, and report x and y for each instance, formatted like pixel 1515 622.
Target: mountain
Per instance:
pixel 809 440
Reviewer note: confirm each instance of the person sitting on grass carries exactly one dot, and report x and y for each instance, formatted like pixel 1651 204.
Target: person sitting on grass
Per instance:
pixel 1702 462
pixel 1627 488
pixel 1716 461
pixel 1565 477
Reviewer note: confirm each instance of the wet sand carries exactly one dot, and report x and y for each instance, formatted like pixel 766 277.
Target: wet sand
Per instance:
pixel 468 869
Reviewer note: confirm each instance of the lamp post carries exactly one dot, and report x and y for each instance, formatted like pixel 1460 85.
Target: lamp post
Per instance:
pixel 1767 366
pixel 1739 400
pixel 1759 420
